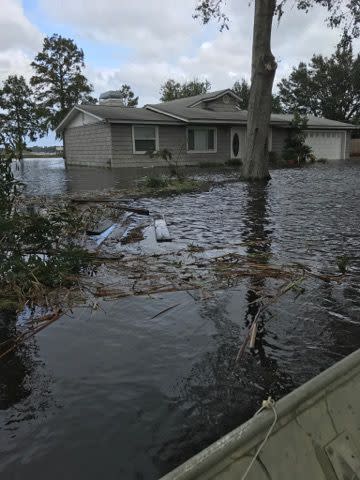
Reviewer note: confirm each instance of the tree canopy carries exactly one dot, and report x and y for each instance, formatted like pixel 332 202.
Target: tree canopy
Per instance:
pixel 263 67
pixel 326 86
pixel 171 90
pixel 341 13
pixel 242 90
pixel 58 80
pixel 20 117
pixel 128 96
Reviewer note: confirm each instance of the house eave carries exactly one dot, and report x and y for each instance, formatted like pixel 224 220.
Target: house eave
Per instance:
pixel 162 112
pixel 144 122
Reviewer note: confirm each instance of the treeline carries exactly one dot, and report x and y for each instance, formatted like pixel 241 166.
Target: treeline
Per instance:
pixel 326 86
pixel 29 111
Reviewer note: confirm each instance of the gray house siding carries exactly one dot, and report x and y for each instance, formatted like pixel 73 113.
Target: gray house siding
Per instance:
pixel 278 138
pixel 171 137
pixel 105 145
pixel 174 139
pixel 89 145
pixel 122 147
pixel 348 145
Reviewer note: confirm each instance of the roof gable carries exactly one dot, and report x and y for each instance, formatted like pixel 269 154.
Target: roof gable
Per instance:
pixel 216 96
pixel 191 102
pixel 71 116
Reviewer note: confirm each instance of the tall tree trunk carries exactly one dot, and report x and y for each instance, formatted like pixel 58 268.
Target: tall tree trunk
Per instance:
pixel 256 165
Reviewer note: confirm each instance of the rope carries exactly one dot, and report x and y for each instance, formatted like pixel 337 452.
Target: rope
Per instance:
pixel 269 403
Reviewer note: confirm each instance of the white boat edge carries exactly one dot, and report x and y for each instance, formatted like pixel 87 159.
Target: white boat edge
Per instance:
pixel 317 435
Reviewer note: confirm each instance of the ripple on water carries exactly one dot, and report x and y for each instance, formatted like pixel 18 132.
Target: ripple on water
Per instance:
pixel 115 389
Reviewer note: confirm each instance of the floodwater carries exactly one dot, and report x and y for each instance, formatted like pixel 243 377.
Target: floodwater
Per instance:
pixel 48 176
pixel 117 393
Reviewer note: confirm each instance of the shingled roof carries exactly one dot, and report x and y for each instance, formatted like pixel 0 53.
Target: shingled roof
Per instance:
pixel 185 111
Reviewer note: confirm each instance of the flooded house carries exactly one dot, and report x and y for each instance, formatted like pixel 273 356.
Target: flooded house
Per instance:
pixel 207 128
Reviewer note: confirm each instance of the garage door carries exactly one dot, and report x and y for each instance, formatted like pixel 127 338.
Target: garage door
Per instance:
pixel 325 144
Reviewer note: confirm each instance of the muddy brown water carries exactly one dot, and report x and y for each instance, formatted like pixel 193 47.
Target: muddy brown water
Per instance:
pixel 116 393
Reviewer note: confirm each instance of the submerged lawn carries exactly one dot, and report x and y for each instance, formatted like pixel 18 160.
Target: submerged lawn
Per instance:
pixel 154 376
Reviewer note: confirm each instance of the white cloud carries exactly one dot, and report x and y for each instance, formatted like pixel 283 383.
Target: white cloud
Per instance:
pixel 16 31
pixel 18 39
pixel 154 29
pixel 166 42
pixel 14 61
pixel 163 40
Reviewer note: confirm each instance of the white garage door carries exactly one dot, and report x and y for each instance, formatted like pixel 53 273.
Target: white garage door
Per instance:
pixel 326 144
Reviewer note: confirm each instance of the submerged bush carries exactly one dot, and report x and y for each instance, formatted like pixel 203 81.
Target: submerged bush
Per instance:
pixel 155 182
pixel 173 161
pixel 342 262
pixel 295 150
pixel 38 252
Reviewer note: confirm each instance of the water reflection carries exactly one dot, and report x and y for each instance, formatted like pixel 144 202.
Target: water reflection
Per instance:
pixel 49 176
pixel 257 237
pixel 16 368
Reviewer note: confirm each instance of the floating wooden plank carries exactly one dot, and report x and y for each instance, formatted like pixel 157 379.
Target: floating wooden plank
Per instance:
pixel 98 200
pixel 100 227
pixel 139 211
pixel 114 203
pixel 161 231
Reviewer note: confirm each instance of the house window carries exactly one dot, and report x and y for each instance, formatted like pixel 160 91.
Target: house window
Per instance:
pixel 201 140
pixel 145 138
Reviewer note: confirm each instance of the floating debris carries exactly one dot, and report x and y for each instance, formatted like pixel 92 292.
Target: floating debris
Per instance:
pixel 162 233
pixel 100 227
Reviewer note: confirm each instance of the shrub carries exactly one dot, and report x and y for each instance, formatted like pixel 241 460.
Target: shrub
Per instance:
pixel 295 149
pixel 38 252
pixel 342 262
pixel 172 161
pixel 156 182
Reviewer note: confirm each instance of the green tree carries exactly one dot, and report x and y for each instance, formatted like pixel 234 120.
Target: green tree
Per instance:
pixel 264 66
pixel 242 90
pixel 128 96
pixel 326 87
pixel 171 90
pixel 19 115
pixel 58 81
pixel 25 276
pixel 295 148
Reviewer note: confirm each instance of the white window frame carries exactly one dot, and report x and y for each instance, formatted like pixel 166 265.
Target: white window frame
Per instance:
pixel 142 152
pixel 201 127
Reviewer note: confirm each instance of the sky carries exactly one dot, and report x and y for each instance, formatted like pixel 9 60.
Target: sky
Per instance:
pixel 145 42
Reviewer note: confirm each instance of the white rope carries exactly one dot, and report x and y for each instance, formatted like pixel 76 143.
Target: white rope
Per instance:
pixel 269 403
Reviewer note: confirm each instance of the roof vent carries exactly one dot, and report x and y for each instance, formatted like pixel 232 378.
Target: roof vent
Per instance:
pixel 111 97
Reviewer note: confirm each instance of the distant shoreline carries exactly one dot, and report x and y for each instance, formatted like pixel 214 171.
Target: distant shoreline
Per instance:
pixel 43 155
